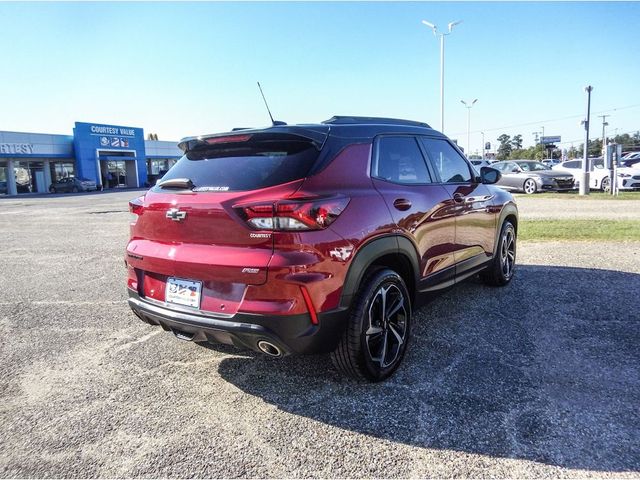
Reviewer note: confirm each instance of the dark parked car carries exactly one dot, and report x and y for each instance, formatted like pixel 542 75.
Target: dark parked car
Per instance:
pixel 72 184
pixel 315 238
pixel 529 177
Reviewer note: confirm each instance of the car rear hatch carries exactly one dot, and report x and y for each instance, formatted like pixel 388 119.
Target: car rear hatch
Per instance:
pixel 189 225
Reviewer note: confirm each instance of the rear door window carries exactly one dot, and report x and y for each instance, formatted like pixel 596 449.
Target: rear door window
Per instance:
pixel 450 165
pixel 259 162
pixel 399 160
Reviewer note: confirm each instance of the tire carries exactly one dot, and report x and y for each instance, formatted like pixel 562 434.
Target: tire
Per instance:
pixel 605 184
pixel 52 190
pixel 502 267
pixel 75 190
pixel 529 186
pixel 373 345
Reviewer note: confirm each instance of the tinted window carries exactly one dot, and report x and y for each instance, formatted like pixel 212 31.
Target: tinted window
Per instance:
pixel 453 168
pixel 574 164
pixel 400 160
pixel 500 166
pixel 532 166
pixel 247 165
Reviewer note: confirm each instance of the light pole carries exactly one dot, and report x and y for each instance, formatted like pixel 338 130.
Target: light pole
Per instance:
pixel 584 180
pixel 544 145
pixel 468 107
pixel 483 145
pixel 442 35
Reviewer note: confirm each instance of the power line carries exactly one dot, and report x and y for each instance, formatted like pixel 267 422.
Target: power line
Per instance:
pixel 581 140
pixel 569 117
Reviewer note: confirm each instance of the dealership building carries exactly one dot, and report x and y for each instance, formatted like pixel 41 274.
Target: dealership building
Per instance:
pixel 112 155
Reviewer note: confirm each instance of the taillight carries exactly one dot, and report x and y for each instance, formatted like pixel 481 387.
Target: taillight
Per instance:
pixel 136 208
pixel 228 139
pixel 291 215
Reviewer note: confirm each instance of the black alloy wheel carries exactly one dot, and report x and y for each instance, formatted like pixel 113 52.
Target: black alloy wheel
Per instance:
pixel 501 270
pixel 376 338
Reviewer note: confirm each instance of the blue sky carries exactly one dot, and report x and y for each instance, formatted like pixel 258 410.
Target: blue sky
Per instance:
pixel 181 69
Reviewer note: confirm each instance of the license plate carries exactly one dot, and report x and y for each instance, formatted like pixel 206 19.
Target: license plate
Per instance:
pixel 183 292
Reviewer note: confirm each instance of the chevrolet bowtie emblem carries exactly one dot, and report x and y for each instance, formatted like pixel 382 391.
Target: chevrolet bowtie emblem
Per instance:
pixel 176 215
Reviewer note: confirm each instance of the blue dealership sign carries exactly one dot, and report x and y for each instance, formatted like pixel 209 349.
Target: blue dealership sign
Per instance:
pixel 95 144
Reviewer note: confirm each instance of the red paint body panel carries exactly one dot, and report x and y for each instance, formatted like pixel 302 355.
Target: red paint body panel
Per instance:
pixel 264 272
pixel 428 222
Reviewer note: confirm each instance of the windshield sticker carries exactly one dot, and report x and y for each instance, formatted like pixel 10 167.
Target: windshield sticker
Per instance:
pixel 211 189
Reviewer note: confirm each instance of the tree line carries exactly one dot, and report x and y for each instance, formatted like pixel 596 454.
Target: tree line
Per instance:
pixel 510 148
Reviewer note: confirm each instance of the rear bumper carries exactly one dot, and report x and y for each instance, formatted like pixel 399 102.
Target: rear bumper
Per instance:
pixel 292 334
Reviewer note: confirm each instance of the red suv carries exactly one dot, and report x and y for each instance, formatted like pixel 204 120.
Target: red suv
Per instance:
pixel 315 238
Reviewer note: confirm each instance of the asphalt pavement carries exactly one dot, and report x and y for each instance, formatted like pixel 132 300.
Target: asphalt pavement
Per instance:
pixel 537 379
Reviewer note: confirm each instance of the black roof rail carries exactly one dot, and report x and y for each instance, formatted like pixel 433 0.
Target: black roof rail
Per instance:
pixel 345 120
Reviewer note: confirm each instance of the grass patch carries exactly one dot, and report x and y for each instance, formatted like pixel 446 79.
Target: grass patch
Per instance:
pixel 584 230
pixel 592 196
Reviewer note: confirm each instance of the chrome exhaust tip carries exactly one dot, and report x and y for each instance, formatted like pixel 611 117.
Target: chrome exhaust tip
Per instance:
pixel 269 349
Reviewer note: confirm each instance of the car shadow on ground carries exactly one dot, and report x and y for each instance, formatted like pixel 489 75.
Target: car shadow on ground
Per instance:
pixel 546 369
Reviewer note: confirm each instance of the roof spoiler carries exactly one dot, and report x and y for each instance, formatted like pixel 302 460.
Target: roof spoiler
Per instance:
pixel 316 136
pixel 348 120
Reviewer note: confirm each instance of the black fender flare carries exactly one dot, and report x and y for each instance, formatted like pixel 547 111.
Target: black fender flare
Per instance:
pixel 368 254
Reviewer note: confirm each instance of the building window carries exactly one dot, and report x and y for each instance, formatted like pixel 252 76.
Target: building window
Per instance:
pixel 4 188
pixel 157 167
pixel 60 170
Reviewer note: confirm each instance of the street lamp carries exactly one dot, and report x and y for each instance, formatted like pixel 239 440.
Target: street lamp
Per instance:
pixel 584 177
pixel 468 106
pixel 442 35
pixel 483 145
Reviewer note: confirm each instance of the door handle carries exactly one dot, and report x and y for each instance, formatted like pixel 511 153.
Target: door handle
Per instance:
pixel 458 198
pixel 402 204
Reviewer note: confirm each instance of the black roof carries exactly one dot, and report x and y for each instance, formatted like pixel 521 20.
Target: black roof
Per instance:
pixel 347 127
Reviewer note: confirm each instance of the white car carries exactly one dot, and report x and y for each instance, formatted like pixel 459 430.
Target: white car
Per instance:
pixel 478 164
pixel 550 162
pixel 628 178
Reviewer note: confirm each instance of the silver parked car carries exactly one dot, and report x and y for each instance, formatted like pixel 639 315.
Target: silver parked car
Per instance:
pixel 529 177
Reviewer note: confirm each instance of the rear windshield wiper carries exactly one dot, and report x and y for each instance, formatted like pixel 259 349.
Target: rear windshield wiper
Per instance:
pixel 177 183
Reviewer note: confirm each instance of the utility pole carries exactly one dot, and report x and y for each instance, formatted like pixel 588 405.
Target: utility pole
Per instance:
pixel 604 139
pixel 544 145
pixel 584 180
pixel 483 145
pixel 535 134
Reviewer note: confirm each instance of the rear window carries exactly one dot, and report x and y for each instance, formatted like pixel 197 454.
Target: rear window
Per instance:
pixel 247 165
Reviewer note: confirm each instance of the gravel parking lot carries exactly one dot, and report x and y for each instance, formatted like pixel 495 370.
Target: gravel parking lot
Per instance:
pixel 539 379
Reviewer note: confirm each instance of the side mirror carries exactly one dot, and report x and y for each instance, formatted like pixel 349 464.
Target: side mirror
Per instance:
pixel 489 175
pixel 516 170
